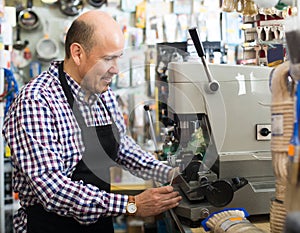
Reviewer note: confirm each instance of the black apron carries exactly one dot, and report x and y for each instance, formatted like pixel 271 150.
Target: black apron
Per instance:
pixel 101 149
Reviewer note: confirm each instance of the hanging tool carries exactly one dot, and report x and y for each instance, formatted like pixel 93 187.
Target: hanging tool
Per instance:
pixel 27 18
pixel 267 31
pixel 21 55
pixel 47 48
pixel 71 8
pixel 259 33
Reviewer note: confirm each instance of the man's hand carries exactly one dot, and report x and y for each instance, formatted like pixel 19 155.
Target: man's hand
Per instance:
pixel 154 201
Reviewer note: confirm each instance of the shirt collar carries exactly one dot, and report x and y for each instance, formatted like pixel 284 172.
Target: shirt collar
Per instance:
pixel 78 92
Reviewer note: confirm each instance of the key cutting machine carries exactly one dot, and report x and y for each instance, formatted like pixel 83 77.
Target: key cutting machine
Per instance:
pixel 219 136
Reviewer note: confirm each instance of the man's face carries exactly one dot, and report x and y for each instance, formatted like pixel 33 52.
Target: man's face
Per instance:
pixel 101 65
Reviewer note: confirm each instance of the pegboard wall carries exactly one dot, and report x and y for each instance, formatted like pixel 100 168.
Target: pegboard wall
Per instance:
pixel 58 23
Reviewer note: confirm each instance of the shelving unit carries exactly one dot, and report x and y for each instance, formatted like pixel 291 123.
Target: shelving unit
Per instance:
pixel 153 85
pixel 6 198
pixel 2 201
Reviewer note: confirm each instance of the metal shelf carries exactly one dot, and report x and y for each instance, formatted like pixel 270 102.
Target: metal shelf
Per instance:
pixel 2 168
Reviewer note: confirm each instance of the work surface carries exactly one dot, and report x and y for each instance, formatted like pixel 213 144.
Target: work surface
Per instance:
pixel 260 221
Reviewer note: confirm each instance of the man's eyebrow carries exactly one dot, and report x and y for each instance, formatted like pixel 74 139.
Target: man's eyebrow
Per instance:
pixel 112 56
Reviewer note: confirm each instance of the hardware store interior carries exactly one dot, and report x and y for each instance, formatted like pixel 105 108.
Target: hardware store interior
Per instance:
pixel 206 86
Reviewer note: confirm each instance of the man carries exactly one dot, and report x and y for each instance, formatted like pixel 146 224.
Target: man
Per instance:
pixel 64 130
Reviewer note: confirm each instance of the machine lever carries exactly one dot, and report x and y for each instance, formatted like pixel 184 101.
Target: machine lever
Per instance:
pixel 213 85
pixel 147 109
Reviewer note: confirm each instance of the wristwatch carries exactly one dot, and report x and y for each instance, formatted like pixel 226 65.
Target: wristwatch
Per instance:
pixel 131 206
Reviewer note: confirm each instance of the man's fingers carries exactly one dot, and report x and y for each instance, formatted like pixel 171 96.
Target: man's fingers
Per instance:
pixel 171 201
pixel 165 189
pixel 169 206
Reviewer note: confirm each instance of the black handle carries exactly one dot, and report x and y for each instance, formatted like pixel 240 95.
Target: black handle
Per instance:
pixel 146 108
pixel 29 4
pixel 19 45
pixel 197 42
pixel 18 31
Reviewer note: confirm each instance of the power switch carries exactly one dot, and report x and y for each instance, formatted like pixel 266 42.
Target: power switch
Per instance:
pixel 263 132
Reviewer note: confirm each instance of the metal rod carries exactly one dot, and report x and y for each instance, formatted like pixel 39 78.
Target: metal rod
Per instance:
pixel 171 211
pixel 200 51
pixel 176 220
pixel 147 109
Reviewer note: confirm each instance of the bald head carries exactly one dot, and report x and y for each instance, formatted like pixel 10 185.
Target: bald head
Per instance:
pixel 93 28
pixel 94 16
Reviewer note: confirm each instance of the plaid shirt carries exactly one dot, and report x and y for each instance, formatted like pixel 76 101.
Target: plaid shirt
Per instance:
pixel 42 134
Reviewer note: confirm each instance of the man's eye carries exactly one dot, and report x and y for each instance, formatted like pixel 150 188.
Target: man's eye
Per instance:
pixel 108 58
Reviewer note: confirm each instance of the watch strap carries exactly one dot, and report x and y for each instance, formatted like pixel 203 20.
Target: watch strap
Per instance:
pixel 131 199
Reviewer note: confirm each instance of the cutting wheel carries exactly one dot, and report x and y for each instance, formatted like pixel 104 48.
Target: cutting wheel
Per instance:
pixel 219 193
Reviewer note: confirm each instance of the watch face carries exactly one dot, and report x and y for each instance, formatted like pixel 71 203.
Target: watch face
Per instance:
pixel 131 208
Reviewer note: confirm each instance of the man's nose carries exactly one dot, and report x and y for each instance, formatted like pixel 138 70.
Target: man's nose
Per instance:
pixel 114 68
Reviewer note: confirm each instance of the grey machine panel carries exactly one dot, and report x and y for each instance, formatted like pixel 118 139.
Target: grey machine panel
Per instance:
pixel 236 113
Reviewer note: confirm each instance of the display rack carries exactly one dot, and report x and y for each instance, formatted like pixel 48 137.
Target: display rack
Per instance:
pixel 6 198
pixel 2 201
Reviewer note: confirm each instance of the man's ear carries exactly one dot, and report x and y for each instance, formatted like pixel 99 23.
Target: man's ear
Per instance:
pixel 76 52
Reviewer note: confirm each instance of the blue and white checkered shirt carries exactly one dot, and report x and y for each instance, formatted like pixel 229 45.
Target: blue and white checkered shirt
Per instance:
pixel 42 134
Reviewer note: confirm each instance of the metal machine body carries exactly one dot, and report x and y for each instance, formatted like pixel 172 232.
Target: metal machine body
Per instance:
pixel 235 121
